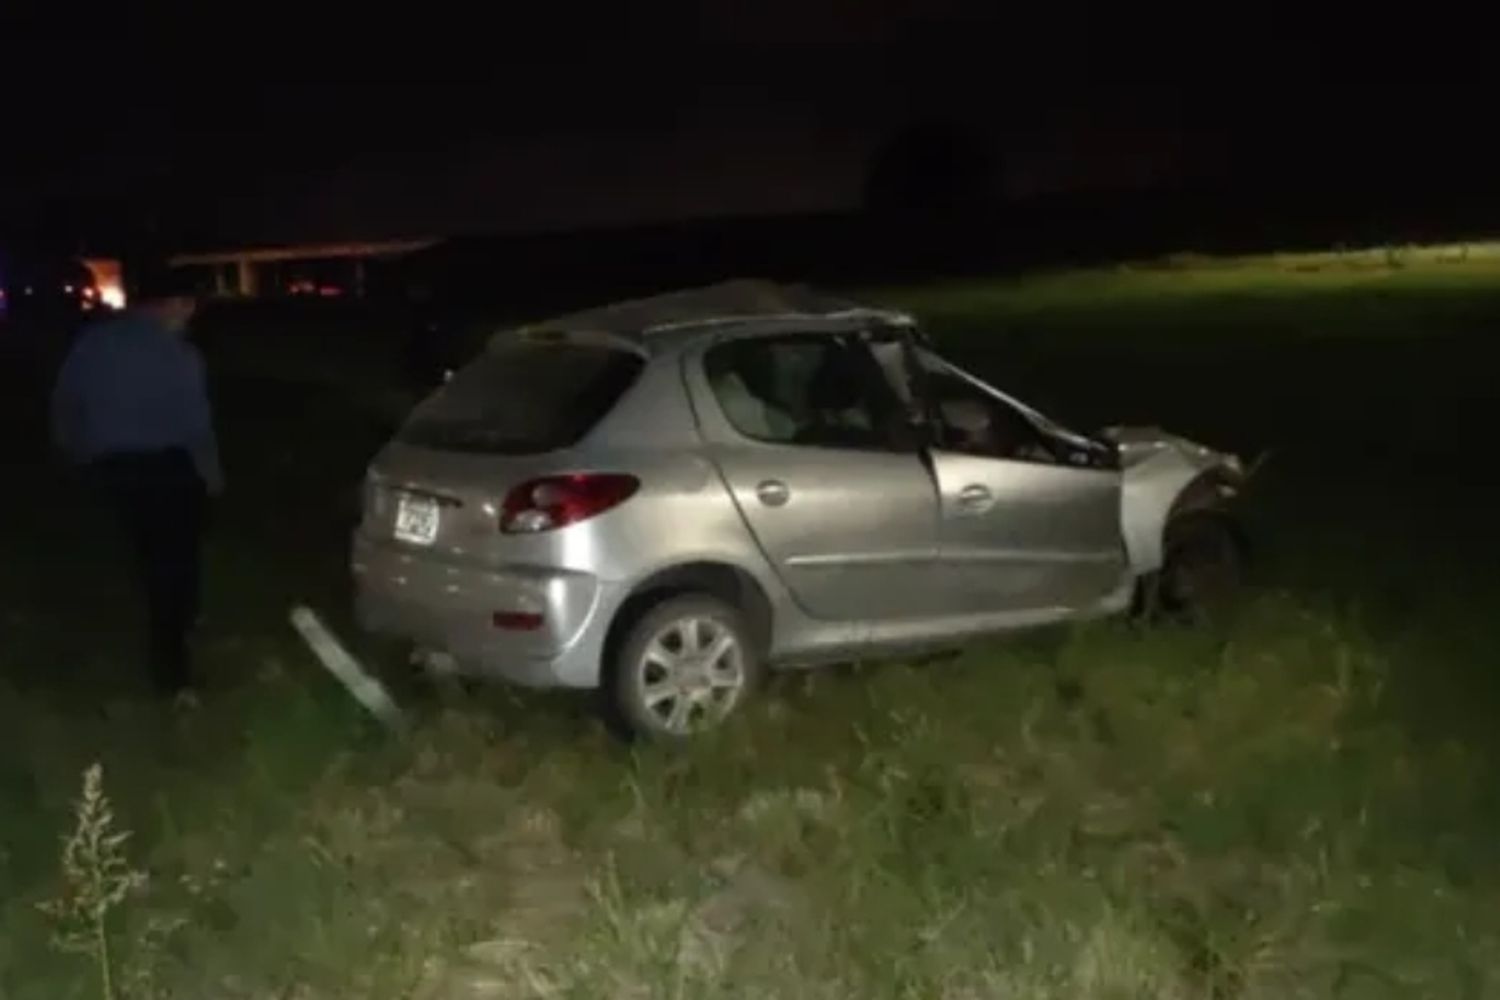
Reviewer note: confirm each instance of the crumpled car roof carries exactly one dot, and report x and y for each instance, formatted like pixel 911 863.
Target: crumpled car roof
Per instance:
pixel 728 301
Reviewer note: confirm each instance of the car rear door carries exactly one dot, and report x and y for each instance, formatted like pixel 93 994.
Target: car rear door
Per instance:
pixel 1029 522
pixel 809 440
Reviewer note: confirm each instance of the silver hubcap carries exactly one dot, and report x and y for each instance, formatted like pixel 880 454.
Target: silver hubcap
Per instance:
pixel 691 674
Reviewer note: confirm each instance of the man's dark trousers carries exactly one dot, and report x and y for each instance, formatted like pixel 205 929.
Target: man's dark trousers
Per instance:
pixel 159 499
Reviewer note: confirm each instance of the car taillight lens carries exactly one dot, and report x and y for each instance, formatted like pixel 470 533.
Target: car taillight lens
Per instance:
pixel 556 501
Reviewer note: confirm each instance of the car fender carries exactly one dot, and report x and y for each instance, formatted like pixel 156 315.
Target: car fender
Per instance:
pixel 1162 474
pixel 756 568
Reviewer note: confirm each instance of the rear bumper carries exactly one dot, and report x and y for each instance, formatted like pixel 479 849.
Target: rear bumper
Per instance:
pixel 447 606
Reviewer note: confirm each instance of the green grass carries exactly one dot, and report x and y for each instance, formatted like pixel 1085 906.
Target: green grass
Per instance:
pixel 1299 803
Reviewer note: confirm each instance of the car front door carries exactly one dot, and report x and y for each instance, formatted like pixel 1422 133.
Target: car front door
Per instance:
pixel 821 459
pixel 1030 521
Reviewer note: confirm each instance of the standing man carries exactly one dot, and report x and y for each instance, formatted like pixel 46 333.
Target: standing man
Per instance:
pixel 131 409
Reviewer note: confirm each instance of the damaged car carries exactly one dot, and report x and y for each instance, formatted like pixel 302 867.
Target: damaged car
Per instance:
pixel 666 498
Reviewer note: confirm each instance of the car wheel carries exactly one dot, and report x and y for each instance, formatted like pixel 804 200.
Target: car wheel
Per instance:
pixel 1202 569
pixel 683 668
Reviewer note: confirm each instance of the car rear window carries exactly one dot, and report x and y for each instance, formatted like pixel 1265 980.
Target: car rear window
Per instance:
pixel 524 398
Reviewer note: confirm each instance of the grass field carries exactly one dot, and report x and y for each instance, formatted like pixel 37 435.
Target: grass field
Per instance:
pixel 1299 803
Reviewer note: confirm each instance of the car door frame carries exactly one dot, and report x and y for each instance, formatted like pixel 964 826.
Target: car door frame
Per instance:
pixel 1065 584
pixel 911 566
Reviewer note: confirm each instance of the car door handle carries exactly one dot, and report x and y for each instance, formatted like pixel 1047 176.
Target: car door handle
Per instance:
pixel 773 492
pixel 975 497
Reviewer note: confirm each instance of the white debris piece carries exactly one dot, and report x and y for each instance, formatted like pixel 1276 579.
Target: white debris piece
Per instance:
pixel 366 690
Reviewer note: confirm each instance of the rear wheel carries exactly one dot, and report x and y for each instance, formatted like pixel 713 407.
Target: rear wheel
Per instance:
pixel 683 668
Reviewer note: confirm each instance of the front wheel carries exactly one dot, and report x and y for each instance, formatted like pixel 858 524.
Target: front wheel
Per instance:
pixel 683 668
pixel 1203 567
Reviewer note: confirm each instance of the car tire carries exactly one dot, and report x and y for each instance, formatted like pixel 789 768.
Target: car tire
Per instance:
pixel 683 667
pixel 1203 568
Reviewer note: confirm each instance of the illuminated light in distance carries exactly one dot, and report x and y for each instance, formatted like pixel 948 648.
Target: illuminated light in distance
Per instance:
pixel 108 283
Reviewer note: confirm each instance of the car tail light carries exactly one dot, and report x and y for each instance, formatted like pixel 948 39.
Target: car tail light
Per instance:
pixel 556 501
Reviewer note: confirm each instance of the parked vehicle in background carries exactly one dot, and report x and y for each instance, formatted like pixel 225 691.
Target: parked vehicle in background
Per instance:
pixel 667 497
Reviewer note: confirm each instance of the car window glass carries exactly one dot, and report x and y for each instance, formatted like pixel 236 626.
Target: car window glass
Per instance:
pixel 524 398
pixel 821 391
pixel 973 422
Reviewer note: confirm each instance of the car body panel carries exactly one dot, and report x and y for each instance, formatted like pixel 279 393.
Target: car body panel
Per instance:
pixel 450 606
pixel 871 551
pixel 1022 535
pixel 852 534
pixel 1158 468
pixel 682 515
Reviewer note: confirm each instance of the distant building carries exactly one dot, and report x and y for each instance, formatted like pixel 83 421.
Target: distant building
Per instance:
pixel 327 270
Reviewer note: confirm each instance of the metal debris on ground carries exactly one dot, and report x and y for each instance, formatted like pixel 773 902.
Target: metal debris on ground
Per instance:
pixel 365 689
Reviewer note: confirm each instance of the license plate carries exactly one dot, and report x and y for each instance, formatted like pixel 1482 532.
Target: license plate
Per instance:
pixel 416 519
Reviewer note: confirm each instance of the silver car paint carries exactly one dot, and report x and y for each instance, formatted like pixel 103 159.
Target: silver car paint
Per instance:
pixel 853 534
pixel 837 580
pixel 1157 469
pixel 1025 535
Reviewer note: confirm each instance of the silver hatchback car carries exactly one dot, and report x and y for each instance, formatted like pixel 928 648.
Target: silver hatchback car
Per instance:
pixel 664 498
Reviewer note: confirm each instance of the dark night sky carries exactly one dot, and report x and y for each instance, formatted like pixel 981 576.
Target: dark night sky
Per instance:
pixel 266 125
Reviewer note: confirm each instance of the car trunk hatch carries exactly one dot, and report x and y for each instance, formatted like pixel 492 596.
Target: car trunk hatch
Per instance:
pixel 508 417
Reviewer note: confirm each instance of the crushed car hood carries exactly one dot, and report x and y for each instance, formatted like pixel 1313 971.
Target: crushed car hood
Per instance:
pixel 1140 444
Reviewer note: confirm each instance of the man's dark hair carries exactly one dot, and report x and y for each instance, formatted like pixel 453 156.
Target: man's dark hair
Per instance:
pixel 156 280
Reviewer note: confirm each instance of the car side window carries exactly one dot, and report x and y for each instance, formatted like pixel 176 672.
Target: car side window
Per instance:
pixel 970 421
pixel 814 390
